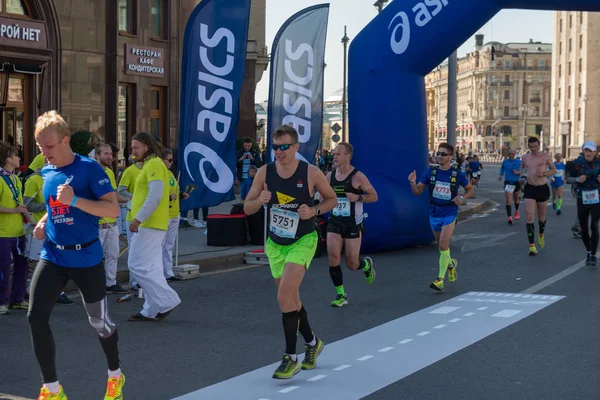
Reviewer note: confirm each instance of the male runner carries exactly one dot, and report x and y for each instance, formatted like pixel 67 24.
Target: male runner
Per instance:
pixel 345 224
pixel 474 168
pixel 443 183
pixel 109 231
pixel 557 182
pixel 77 193
pixel 287 186
pixel 509 171
pixel 539 166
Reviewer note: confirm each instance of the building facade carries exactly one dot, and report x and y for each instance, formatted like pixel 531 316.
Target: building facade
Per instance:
pixel 110 67
pixel 576 77
pixel 503 96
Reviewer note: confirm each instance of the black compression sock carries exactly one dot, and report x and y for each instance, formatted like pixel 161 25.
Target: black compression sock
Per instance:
pixel 110 345
pixel 517 206
pixel 509 210
pixel 530 233
pixel 542 226
pixel 290 330
pixel 304 326
pixel 336 275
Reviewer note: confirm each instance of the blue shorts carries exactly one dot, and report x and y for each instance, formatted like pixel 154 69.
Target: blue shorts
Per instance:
pixel 437 223
pixel 557 183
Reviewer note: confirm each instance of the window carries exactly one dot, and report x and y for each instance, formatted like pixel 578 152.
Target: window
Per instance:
pixel 491 95
pixel 560 48
pixel 506 78
pixel 506 112
pixel 571 21
pixel 492 79
pixel 570 45
pixel 580 65
pixel 558 116
pixel 124 120
pixel 569 93
pixel 491 112
pixel 157 113
pixel 14 7
pixel 127 13
pixel 560 25
pixel 579 114
pixel 536 111
pixel 506 95
pixel 579 90
pixel 507 64
pixel 529 64
pixel 569 114
pixel 535 96
pixel 569 68
pixel 542 64
pixel 581 41
pixel 158 15
pixel 559 93
pixel 559 70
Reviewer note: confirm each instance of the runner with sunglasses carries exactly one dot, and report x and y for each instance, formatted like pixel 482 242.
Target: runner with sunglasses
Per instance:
pixel 286 187
pixel 509 171
pixel 443 183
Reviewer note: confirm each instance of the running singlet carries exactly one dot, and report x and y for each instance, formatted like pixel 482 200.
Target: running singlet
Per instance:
pixel 560 173
pixel 173 189
pixel 507 168
pixel 345 211
pixel 154 169
pixel 285 225
pixel 128 180
pixel 66 225
pixel 440 201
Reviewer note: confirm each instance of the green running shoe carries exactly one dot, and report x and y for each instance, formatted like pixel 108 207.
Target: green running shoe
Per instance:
pixel 370 274
pixel 438 285
pixel 311 354
pixel 287 369
pixel 452 270
pixel 340 301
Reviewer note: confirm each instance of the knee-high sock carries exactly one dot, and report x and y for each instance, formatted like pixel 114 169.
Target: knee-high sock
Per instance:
pixel 559 203
pixel 290 330
pixel 509 210
pixel 337 278
pixel 542 226
pixel 530 233
pixel 517 206
pixel 445 260
pixel 304 326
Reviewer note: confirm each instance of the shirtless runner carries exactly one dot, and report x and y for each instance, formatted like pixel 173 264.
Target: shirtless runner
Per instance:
pixel 539 166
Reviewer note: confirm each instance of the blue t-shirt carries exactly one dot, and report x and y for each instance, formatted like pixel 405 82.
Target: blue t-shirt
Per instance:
pixel 440 201
pixel 474 166
pixel 560 172
pixel 68 226
pixel 507 168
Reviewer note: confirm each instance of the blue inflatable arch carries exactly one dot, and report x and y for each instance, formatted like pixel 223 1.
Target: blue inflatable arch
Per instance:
pixel 388 61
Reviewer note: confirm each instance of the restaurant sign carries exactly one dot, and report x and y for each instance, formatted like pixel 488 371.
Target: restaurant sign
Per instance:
pixel 145 61
pixel 22 33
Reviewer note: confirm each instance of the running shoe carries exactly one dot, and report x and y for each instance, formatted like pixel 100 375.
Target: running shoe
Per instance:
pixel 287 369
pixel 438 285
pixel 19 305
pixel 588 260
pixel 370 274
pixel 593 261
pixel 311 353
pixel 114 388
pixel 558 212
pixel 116 289
pixel 45 394
pixel 532 250
pixel 4 310
pixel 510 220
pixel 141 318
pixel 340 300
pixel 452 271
pixel 63 299
pixel 541 241
pixel 517 215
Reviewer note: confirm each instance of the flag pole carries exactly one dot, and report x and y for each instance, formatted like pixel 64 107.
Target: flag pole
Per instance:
pixel 177 235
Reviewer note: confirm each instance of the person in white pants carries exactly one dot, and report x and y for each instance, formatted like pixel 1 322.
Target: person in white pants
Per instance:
pixel 174 217
pixel 150 211
pixel 108 229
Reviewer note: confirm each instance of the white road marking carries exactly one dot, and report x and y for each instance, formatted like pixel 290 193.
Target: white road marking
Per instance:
pixel 288 389
pixel 444 310
pixel 423 333
pixel 405 341
pixel 468 314
pixel 364 358
pixel 555 278
pixel 439 326
pixel 482 308
pixel 316 378
pixel 506 313
pixel 455 319
pixel 385 349
pixel 342 367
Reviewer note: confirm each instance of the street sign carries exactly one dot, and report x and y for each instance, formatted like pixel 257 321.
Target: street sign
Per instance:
pixel 336 128
pixel 336 138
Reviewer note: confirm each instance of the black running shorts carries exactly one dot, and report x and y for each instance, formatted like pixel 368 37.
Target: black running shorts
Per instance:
pixel 346 231
pixel 540 193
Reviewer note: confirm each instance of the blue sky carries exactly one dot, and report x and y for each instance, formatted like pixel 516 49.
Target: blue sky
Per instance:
pixel 506 26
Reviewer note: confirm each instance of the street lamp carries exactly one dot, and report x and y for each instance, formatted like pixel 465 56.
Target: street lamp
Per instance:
pixel 379 4
pixel 525 110
pixel 345 41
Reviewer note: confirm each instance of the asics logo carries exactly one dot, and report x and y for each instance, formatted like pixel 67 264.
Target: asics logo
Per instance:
pixel 400 46
pixel 424 12
pixel 225 179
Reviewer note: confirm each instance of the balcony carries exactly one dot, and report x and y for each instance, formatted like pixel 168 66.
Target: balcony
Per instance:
pixel 535 100
pixel 506 83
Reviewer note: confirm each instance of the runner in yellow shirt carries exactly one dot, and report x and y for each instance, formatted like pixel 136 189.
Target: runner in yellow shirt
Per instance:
pixel 150 211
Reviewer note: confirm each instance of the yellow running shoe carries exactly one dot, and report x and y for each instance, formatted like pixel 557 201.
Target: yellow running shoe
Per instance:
pixel 541 240
pixel 438 285
pixel 452 270
pixel 114 388
pixel 45 394
pixel 532 250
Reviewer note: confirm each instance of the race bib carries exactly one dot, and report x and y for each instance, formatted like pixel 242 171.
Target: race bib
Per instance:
pixel 284 223
pixel 509 188
pixel 442 191
pixel 590 197
pixel 342 209
pixel 559 173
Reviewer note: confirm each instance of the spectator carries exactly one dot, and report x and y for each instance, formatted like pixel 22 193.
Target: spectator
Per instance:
pixel 245 158
pixel 247 184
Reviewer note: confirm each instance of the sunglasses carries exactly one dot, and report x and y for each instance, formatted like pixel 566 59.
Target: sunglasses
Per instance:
pixel 442 154
pixel 282 147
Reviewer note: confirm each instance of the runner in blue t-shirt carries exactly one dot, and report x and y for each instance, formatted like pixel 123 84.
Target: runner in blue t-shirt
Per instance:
pixel 77 192
pixel 557 182
pixel 509 171
pixel 443 183
pixel 474 170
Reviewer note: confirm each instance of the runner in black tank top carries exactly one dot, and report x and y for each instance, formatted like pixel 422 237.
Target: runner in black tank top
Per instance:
pixel 352 189
pixel 287 187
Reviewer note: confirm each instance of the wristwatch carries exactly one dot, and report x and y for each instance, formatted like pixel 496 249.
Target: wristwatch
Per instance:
pixel 318 211
pixel 360 197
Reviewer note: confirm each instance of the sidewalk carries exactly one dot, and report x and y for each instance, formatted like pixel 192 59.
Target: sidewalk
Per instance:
pixel 474 206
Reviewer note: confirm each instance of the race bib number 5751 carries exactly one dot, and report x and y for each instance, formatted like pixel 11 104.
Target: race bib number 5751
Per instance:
pixel 284 223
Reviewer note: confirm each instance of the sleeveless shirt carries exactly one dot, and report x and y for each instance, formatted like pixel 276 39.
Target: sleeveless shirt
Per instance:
pixel 345 211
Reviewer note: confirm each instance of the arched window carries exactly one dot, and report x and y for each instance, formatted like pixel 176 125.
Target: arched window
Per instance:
pixel 15 7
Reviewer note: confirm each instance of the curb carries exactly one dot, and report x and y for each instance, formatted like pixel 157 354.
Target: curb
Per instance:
pixel 487 204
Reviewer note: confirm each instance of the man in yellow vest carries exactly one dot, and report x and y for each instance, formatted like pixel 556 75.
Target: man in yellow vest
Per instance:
pixel 12 233
pixel 109 232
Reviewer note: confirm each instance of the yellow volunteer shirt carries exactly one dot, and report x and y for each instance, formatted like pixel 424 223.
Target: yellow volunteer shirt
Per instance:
pixel 113 182
pixel 38 162
pixel 128 180
pixel 33 185
pixel 11 225
pixel 153 170
pixel 173 190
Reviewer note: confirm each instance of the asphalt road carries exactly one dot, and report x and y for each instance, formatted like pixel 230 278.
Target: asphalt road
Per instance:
pixel 229 324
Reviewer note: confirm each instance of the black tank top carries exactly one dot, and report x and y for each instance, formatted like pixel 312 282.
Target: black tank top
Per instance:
pixel 285 225
pixel 345 211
